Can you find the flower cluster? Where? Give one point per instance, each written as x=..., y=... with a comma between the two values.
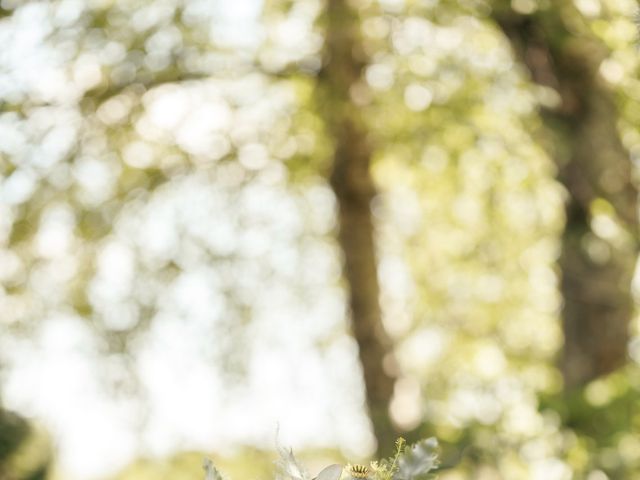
x=415, y=462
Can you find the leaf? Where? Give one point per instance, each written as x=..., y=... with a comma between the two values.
x=289, y=468
x=212, y=472
x=332, y=472
x=416, y=462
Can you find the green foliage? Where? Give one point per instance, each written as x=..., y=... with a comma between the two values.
x=414, y=462
x=468, y=216
x=417, y=461
x=387, y=468
x=25, y=449
x=13, y=431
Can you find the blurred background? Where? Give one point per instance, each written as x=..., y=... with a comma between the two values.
x=321, y=224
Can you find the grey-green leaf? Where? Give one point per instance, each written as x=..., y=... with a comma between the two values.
x=332, y=472
x=289, y=468
x=211, y=472
x=417, y=461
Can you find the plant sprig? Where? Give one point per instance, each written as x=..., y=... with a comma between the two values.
x=387, y=468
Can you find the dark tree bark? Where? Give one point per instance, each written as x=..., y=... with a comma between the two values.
x=555, y=46
x=354, y=189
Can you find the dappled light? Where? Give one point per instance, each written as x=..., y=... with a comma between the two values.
x=229, y=228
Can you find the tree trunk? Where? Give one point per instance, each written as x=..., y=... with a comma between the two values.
x=354, y=189
x=596, y=264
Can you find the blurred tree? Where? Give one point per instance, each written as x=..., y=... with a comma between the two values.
x=599, y=242
x=24, y=451
x=353, y=186
x=13, y=431
x=145, y=156
x=122, y=57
